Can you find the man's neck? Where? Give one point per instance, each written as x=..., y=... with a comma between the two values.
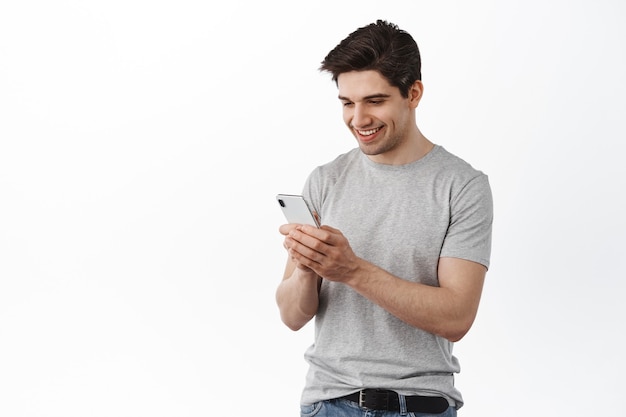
x=413, y=149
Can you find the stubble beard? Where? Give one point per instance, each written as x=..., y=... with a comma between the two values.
x=386, y=145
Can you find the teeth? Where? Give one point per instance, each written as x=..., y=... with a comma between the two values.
x=368, y=132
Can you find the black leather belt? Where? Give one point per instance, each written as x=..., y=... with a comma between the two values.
x=376, y=399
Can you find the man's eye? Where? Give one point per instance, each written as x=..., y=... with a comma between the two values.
x=347, y=104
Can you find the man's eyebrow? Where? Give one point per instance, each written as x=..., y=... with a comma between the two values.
x=370, y=97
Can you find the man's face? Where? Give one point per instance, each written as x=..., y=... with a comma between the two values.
x=376, y=113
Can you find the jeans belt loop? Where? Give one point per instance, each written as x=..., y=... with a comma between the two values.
x=402, y=403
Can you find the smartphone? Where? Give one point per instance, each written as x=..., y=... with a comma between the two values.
x=296, y=209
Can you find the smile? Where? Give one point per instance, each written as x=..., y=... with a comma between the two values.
x=368, y=132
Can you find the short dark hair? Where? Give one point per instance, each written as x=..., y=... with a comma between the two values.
x=382, y=47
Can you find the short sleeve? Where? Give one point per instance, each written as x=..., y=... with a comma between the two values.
x=471, y=219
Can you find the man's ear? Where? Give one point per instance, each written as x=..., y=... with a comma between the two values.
x=415, y=93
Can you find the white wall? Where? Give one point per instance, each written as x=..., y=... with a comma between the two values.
x=142, y=144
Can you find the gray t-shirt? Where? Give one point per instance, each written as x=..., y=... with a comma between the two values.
x=402, y=219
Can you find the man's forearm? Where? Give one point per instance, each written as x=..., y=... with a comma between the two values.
x=447, y=310
x=297, y=297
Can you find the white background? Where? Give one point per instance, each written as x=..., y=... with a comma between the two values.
x=143, y=142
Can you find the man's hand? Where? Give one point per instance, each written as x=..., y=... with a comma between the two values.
x=285, y=230
x=325, y=251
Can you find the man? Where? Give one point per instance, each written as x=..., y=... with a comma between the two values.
x=395, y=274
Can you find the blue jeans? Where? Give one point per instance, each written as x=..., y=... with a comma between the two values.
x=345, y=408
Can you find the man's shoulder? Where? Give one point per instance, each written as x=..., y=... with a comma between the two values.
x=340, y=162
x=351, y=155
x=453, y=164
x=325, y=176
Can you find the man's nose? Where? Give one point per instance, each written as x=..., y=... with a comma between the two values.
x=360, y=117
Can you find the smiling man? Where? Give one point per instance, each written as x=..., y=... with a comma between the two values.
x=394, y=275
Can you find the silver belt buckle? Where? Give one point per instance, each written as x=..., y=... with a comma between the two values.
x=374, y=399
